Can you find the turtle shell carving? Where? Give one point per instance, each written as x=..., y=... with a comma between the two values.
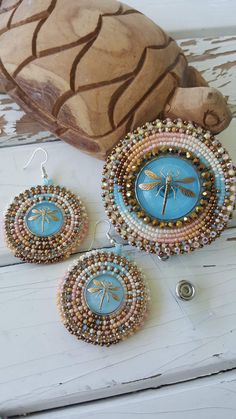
x=92, y=70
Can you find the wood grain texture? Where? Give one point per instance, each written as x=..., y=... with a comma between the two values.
x=89, y=89
x=214, y=57
x=42, y=366
x=208, y=398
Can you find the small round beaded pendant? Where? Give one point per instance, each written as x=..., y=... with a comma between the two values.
x=45, y=223
x=103, y=298
x=169, y=187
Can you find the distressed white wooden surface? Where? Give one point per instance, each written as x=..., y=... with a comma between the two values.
x=41, y=365
x=215, y=58
x=208, y=398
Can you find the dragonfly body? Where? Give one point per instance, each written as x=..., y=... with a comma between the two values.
x=167, y=182
x=104, y=289
x=167, y=189
x=45, y=215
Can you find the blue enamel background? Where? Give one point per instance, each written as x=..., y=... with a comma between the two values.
x=175, y=208
x=94, y=299
x=51, y=226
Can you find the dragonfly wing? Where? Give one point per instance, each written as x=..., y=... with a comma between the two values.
x=53, y=217
x=148, y=186
x=34, y=217
x=186, y=192
x=98, y=294
x=160, y=189
x=93, y=290
x=97, y=283
x=115, y=297
x=152, y=175
x=108, y=296
x=114, y=288
x=35, y=211
x=186, y=180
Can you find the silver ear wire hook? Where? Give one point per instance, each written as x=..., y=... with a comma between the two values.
x=108, y=234
x=43, y=170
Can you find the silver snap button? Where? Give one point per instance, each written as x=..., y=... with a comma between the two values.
x=185, y=290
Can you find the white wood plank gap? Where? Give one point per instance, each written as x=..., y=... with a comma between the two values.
x=208, y=398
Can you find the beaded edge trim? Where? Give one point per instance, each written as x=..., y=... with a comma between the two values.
x=124, y=162
x=34, y=249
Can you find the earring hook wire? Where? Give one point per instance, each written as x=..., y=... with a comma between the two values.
x=108, y=234
x=43, y=170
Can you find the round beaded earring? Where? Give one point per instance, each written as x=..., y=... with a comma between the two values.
x=169, y=187
x=45, y=223
x=103, y=298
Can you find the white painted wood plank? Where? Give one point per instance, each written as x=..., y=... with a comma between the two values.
x=208, y=398
x=70, y=168
x=199, y=18
x=42, y=366
x=17, y=128
x=215, y=58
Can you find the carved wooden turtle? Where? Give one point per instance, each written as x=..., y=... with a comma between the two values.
x=92, y=70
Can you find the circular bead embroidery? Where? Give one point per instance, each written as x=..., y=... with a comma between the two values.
x=45, y=224
x=169, y=187
x=103, y=298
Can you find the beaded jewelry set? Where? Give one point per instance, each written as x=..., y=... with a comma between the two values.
x=168, y=189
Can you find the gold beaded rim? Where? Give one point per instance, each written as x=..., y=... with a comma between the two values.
x=213, y=164
x=34, y=249
x=100, y=329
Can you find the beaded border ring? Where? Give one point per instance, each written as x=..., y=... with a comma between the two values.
x=103, y=299
x=216, y=173
x=45, y=224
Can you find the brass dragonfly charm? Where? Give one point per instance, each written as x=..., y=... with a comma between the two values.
x=45, y=214
x=104, y=289
x=167, y=182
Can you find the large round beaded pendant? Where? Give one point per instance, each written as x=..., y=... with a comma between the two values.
x=103, y=299
x=169, y=187
x=45, y=223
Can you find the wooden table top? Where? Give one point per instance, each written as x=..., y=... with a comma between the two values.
x=43, y=367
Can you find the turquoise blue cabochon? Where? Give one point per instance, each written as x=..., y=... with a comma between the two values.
x=104, y=294
x=178, y=204
x=44, y=219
